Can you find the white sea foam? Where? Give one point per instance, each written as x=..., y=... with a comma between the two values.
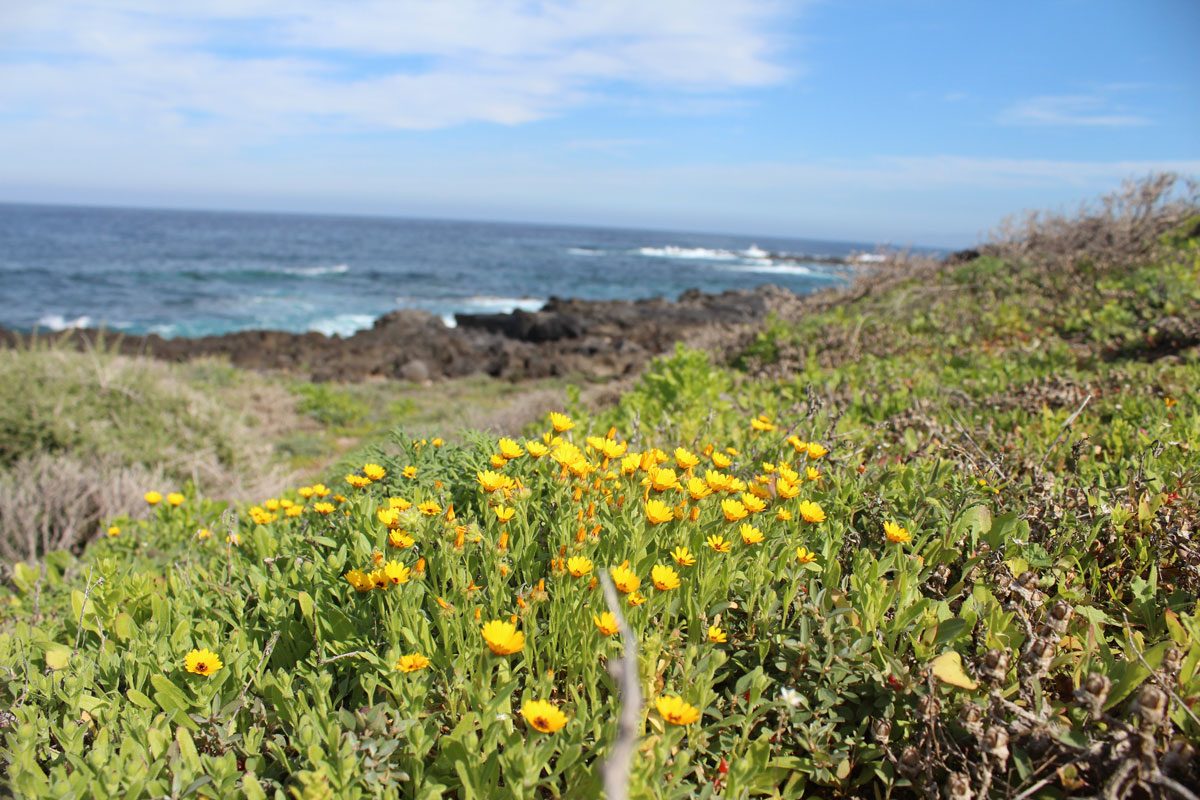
x=586, y=251
x=489, y=304
x=702, y=253
x=312, y=272
x=342, y=324
x=57, y=322
x=782, y=269
x=870, y=258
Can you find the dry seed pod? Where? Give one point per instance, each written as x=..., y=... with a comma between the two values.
x=958, y=787
x=1059, y=618
x=1172, y=661
x=971, y=717
x=910, y=765
x=994, y=666
x=1003, y=587
x=1093, y=694
x=1178, y=758
x=995, y=741
x=1026, y=587
x=1151, y=705
x=881, y=730
x=1040, y=654
x=929, y=706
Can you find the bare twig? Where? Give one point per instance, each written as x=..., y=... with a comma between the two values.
x=331, y=659
x=86, y=594
x=1063, y=430
x=266, y=654
x=1154, y=673
x=616, y=768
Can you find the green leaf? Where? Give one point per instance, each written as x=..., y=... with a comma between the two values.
x=57, y=655
x=306, y=605
x=123, y=625
x=139, y=699
x=168, y=695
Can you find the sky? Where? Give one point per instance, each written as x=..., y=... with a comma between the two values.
x=899, y=121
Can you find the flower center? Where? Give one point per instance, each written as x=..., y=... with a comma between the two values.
x=201, y=666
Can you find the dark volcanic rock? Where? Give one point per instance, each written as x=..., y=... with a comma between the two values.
x=595, y=338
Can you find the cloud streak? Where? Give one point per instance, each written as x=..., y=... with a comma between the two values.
x=374, y=64
x=1085, y=110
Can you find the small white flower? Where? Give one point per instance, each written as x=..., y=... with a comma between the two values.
x=791, y=697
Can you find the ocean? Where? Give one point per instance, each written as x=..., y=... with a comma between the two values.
x=196, y=273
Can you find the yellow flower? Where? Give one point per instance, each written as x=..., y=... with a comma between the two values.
x=815, y=450
x=715, y=634
x=658, y=512
x=811, y=512
x=294, y=510
x=113, y=530
x=625, y=579
x=510, y=449
x=812, y=473
x=399, y=503
x=409, y=472
x=698, y=489
x=153, y=498
x=683, y=557
x=684, y=459
x=389, y=517
x=380, y=579
x=396, y=572
x=543, y=716
x=719, y=544
x=664, y=578
x=305, y=492
x=663, y=479
x=750, y=534
x=896, y=534
x=272, y=504
x=412, y=663
x=203, y=662
x=798, y=444
x=675, y=711
x=578, y=566
x=357, y=481
x=505, y=513
x=752, y=503
x=429, y=508
x=492, y=481
x=783, y=515
x=805, y=556
x=374, y=471
x=607, y=623
x=762, y=423
x=498, y=460
x=786, y=489
x=323, y=508
x=175, y=498
x=502, y=637
x=284, y=503
x=320, y=490
x=561, y=422
x=720, y=460
x=613, y=449
x=636, y=599
x=717, y=481
x=361, y=581
x=536, y=449
x=733, y=510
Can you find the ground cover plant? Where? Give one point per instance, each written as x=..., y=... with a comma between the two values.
x=935, y=540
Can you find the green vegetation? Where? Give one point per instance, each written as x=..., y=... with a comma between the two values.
x=938, y=538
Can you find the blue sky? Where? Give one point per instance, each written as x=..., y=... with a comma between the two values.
x=906, y=122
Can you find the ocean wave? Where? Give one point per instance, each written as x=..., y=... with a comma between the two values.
x=784, y=269
x=312, y=272
x=342, y=324
x=701, y=253
x=586, y=251
x=57, y=322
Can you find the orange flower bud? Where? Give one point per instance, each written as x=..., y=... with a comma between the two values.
x=591, y=512
x=450, y=513
x=461, y=532
x=420, y=566
x=578, y=493
x=504, y=539
x=579, y=534
x=478, y=612
x=695, y=515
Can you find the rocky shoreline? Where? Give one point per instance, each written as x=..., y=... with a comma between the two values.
x=594, y=339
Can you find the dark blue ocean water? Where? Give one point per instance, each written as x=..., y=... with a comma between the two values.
x=192, y=273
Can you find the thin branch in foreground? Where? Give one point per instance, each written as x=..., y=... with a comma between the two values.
x=616, y=768
x=1063, y=430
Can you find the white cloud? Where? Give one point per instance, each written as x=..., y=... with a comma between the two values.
x=281, y=65
x=1087, y=110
